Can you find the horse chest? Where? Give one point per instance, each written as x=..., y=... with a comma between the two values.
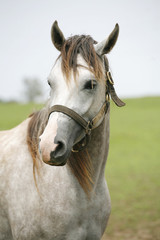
x=75, y=216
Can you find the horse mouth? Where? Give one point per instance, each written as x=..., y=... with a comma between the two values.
x=56, y=157
x=59, y=161
x=56, y=163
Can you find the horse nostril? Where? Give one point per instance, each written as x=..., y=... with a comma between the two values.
x=60, y=146
x=60, y=150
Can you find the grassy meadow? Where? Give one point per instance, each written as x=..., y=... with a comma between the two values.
x=133, y=170
x=133, y=166
x=11, y=114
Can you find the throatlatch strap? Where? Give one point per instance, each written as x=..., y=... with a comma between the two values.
x=112, y=91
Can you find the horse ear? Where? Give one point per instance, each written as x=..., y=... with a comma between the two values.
x=57, y=36
x=106, y=45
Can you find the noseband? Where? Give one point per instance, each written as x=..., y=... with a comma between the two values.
x=88, y=126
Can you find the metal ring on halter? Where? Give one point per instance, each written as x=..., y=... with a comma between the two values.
x=110, y=78
x=82, y=144
x=89, y=127
x=107, y=97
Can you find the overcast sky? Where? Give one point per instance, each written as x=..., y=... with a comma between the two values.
x=26, y=49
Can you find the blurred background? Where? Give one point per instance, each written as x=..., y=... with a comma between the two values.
x=26, y=51
x=26, y=58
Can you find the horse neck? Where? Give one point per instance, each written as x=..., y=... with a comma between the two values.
x=98, y=148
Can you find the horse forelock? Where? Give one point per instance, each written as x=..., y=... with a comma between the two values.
x=79, y=163
x=83, y=45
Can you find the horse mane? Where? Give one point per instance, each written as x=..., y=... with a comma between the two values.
x=36, y=127
x=79, y=163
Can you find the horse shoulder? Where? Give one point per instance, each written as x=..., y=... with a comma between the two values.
x=12, y=140
x=13, y=151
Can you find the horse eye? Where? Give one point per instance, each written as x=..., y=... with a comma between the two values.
x=91, y=84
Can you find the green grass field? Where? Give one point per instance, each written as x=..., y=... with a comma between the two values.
x=11, y=114
x=133, y=166
x=133, y=170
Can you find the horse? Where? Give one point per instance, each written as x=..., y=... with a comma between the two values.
x=52, y=165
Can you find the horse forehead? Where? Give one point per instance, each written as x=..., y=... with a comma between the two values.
x=57, y=74
x=81, y=61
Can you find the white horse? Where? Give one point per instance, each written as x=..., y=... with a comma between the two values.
x=52, y=180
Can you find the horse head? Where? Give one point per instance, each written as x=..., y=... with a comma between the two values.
x=78, y=85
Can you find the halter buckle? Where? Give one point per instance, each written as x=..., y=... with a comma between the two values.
x=89, y=128
x=107, y=97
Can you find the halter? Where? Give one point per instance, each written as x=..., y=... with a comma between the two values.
x=88, y=126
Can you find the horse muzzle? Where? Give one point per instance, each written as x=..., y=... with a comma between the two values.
x=59, y=156
x=58, y=139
